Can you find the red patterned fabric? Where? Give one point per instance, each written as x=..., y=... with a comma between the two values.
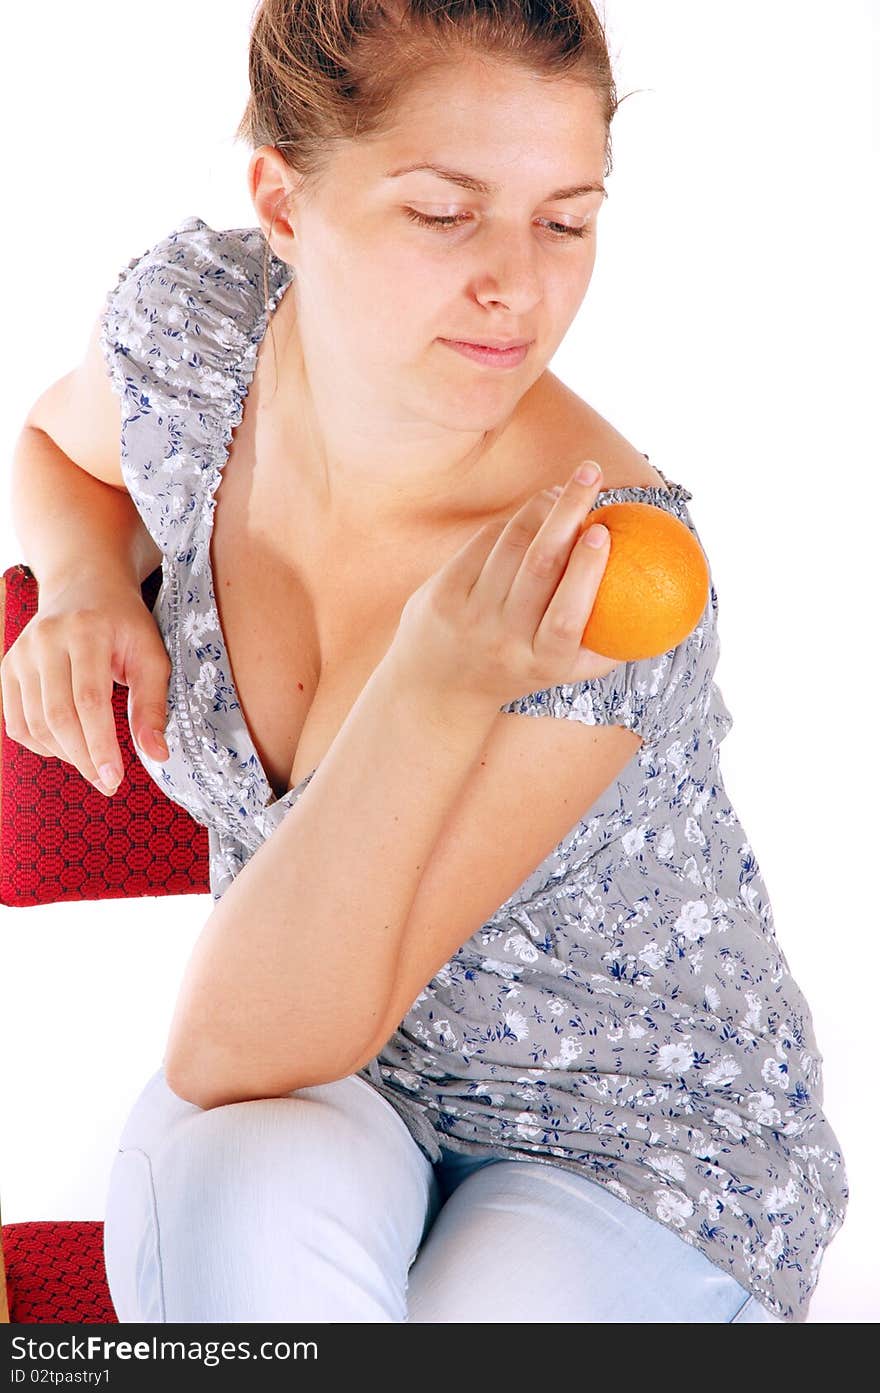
x=55, y=1273
x=60, y=839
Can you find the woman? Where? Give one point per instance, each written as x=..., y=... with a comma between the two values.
x=478, y=995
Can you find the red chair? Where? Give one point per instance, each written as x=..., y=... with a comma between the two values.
x=60, y=839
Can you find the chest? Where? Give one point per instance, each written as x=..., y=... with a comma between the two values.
x=306, y=620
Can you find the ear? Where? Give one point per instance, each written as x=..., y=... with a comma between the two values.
x=270, y=181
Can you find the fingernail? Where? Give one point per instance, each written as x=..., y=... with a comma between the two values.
x=110, y=777
x=163, y=743
x=557, y=489
x=587, y=473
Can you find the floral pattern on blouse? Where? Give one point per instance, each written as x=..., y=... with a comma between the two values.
x=629, y=1011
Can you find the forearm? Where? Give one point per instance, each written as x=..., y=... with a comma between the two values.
x=295, y=967
x=68, y=522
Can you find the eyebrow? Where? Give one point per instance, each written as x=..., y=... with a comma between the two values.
x=467, y=181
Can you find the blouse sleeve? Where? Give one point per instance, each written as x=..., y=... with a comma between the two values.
x=173, y=334
x=660, y=698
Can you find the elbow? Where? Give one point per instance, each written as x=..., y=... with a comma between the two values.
x=206, y=1084
x=205, y=1092
x=206, y=1087
x=192, y=1088
x=201, y=1079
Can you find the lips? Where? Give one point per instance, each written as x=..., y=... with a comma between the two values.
x=500, y=344
x=489, y=357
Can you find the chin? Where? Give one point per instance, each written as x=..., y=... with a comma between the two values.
x=474, y=419
x=488, y=399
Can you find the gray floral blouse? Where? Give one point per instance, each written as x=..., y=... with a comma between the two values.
x=628, y=1011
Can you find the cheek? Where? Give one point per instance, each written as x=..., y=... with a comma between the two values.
x=406, y=302
x=586, y=268
x=565, y=292
x=421, y=280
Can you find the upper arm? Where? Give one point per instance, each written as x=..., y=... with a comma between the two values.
x=81, y=413
x=534, y=781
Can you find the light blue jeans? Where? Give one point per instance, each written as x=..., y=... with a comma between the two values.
x=320, y=1206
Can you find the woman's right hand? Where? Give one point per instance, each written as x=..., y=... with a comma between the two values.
x=505, y=616
x=57, y=678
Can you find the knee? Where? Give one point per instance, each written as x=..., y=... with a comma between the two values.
x=176, y=1134
x=249, y=1146
x=311, y=1199
x=321, y=1136
x=154, y=1115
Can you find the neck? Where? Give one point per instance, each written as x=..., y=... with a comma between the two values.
x=360, y=467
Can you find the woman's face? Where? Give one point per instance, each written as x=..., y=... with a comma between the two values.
x=377, y=293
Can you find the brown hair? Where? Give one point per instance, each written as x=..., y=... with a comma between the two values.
x=324, y=71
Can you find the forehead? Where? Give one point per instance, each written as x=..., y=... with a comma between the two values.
x=503, y=127
x=507, y=99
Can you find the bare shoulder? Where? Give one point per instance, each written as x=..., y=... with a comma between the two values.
x=575, y=430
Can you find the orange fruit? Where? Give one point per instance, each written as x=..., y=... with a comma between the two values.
x=654, y=587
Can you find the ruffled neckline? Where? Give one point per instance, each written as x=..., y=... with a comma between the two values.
x=240, y=375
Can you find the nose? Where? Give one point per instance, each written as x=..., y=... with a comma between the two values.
x=510, y=274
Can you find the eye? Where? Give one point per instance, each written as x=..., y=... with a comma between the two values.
x=446, y=223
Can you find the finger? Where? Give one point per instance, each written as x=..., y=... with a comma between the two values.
x=545, y=560
x=61, y=704
x=461, y=572
x=95, y=746
x=568, y=613
x=511, y=546
x=147, y=681
x=14, y=717
x=41, y=736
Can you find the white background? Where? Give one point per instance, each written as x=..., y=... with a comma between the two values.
x=728, y=331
